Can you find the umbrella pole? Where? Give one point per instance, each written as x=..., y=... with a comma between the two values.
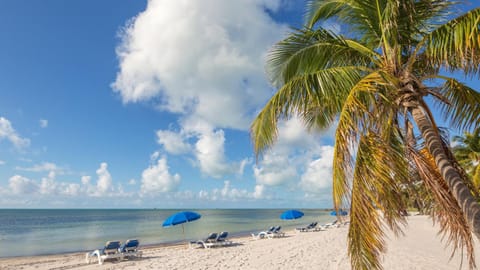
x=183, y=232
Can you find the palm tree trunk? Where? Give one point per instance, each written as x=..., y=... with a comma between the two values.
x=467, y=202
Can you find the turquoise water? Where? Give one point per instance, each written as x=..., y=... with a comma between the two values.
x=38, y=232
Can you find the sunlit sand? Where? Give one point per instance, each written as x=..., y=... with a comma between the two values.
x=421, y=248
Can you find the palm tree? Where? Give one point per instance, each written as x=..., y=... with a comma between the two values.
x=467, y=152
x=378, y=81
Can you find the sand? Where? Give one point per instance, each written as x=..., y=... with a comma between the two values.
x=420, y=248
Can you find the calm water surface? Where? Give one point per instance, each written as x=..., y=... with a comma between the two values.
x=38, y=232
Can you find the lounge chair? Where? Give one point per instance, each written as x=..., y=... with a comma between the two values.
x=273, y=232
x=276, y=232
x=308, y=228
x=220, y=241
x=210, y=238
x=333, y=224
x=130, y=249
x=263, y=234
x=110, y=251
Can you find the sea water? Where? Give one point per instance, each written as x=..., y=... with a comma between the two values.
x=25, y=232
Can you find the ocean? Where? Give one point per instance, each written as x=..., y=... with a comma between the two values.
x=26, y=232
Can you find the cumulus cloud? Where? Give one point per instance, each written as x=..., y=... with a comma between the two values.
x=48, y=192
x=210, y=153
x=104, y=181
x=85, y=180
x=50, y=187
x=157, y=179
x=299, y=160
x=172, y=142
x=318, y=175
x=275, y=170
x=259, y=191
x=229, y=193
x=22, y=185
x=213, y=80
x=204, y=59
x=207, y=147
x=8, y=132
x=43, y=123
x=282, y=163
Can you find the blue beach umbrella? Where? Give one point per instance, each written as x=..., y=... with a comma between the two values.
x=340, y=213
x=291, y=214
x=181, y=218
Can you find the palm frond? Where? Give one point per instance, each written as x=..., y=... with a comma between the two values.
x=322, y=10
x=317, y=97
x=373, y=174
x=476, y=176
x=357, y=109
x=306, y=51
x=456, y=44
x=463, y=108
x=447, y=212
x=360, y=15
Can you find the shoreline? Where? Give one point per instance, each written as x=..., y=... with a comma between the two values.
x=143, y=246
x=420, y=248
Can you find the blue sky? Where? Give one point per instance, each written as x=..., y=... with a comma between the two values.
x=137, y=104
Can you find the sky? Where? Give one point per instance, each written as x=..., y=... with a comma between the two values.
x=147, y=104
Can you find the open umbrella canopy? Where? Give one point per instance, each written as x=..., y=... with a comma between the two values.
x=181, y=217
x=340, y=213
x=291, y=214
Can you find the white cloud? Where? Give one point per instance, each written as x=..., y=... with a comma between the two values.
x=86, y=180
x=318, y=175
x=229, y=193
x=22, y=185
x=42, y=167
x=157, y=179
x=203, y=59
x=48, y=185
x=208, y=148
x=2, y=162
x=295, y=158
x=43, y=123
x=104, y=181
x=9, y=133
x=210, y=153
x=275, y=170
x=213, y=80
x=172, y=142
x=259, y=191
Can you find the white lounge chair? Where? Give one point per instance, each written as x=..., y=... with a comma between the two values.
x=203, y=242
x=263, y=234
x=110, y=251
x=276, y=233
x=273, y=232
x=333, y=224
x=220, y=241
x=130, y=249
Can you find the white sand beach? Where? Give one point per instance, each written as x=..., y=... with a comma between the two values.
x=420, y=248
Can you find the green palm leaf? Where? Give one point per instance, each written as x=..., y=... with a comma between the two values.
x=456, y=44
x=373, y=81
x=463, y=107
